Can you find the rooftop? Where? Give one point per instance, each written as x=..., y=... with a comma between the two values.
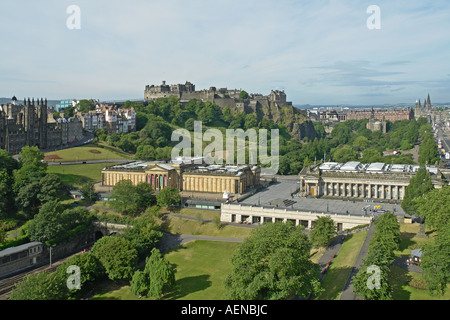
x=376, y=167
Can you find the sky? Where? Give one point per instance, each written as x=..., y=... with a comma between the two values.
x=319, y=52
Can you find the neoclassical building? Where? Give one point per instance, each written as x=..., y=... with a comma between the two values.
x=355, y=180
x=185, y=175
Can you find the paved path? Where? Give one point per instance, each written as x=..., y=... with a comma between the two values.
x=331, y=252
x=347, y=292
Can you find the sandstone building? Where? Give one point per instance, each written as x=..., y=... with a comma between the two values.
x=355, y=180
x=380, y=114
x=185, y=175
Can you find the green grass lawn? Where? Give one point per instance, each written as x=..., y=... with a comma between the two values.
x=337, y=274
x=399, y=279
x=185, y=226
x=195, y=279
x=79, y=174
x=89, y=152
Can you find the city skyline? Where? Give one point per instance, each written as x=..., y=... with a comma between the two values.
x=318, y=52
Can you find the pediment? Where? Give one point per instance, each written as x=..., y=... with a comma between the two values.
x=158, y=168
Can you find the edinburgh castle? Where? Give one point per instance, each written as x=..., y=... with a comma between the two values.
x=273, y=106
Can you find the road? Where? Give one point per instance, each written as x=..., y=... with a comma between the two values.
x=68, y=163
x=444, y=135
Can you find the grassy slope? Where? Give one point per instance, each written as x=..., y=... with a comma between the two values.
x=78, y=174
x=89, y=152
x=195, y=279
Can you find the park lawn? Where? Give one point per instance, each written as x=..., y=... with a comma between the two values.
x=76, y=175
x=194, y=212
x=399, y=279
x=89, y=152
x=186, y=226
x=337, y=274
x=409, y=240
x=194, y=279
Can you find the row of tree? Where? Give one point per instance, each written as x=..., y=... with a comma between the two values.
x=371, y=282
x=273, y=264
x=116, y=258
x=132, y=200
x=433, y=207
x=25, y=185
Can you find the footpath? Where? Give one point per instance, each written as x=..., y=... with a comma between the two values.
x=347, y=292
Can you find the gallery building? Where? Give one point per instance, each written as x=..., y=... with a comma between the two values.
x=185, y=175
x=355, y=180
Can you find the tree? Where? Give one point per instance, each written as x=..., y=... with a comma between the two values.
x=6, y=194
x=124, y=195
x=85, y=106
x=145, y=198
x=161, y=274
x=53, y=223
x=139, y=284
x=88, y=191
x=90, y=270
x=40, y=286
x=243, y=95
x=46, y=224
x=145, y=152
x=366, y=283
x=371, y=282
x=7, y=162
x=250, y=121
x=169, y=196
x=419, y=185
x=32, y=155
x=50, y=188
x=344, y=154
x=324, y=230
x=435, y=262
x=434, y=207
x=189, y=124
x=144, y=234
x=360, y=143
x=428, y=151
x=272, y=263
x=117, y=255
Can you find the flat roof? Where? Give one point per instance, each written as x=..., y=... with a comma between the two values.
x=20, y=248
x=372, y=167
x=351, y=166
x=376, y=166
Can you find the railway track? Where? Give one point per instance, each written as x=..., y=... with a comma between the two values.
x=7, y=285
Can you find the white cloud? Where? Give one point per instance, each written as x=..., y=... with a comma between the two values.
x=255, y=45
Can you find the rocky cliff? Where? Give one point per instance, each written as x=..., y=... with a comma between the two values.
x=295, y=120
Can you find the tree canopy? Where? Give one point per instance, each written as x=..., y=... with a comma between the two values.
x=273, y=263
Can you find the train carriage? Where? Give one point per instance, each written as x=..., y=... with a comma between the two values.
x=20, y=257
